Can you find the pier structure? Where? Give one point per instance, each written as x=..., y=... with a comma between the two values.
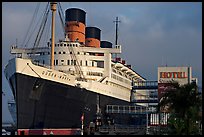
x=145, y=100
x=147, y=93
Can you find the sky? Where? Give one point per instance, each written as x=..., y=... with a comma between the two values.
x=151, y=34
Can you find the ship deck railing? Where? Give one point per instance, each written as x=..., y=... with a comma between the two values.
x=128, y=109
x=122, y=129
x=145, y=85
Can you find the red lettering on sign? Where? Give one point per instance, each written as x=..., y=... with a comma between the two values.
x=169, y=74
x=173, y=75
x=179, y=75
x=161, y=75
x=165, y=74
x=184, y=76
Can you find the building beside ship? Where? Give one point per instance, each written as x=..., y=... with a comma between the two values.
x=182, y=75
x=166, y=75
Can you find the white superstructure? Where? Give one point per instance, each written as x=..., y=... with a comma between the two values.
x=72, y=61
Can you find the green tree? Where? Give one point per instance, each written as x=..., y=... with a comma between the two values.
x=183, y=102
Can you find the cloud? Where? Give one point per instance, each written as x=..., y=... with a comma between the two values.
x=126, y=20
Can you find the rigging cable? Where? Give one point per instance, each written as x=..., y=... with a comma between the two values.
x=60, y=11
x=42, y=29
x=42, y=25
x=47, y=31
x=35, y=28
x=31, y=23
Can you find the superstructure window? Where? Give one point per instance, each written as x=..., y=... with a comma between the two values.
x=74, y=62
x=81, y=62
x=86, y=63
x=62, y=62
x=114, y=70
x=64, y=45
x=59, y=52
x=56, y=62
x=120, y=73
x=100, y=64
x=95, y=74
x=54, y=52
x=37, y=62
x=68, y=62
x=64, y=52
x=92, y=63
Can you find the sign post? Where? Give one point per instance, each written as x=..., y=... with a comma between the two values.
x=82, y=124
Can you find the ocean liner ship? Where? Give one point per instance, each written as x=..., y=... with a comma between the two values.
x=58, y=83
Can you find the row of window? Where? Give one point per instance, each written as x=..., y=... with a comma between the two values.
x=95, y=74
x=69, y=62
x=120, y=79
x=116, y=85
x=65, y=45
x=78, y=53
x=73, y=62
x=61, y=52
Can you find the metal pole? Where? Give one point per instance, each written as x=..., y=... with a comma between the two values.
x=53, y=8
x=116, y=33
x=82, y=127
x=82, y=124
x=147, y=112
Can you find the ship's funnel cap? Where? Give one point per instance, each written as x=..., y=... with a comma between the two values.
x=93, y=32
x=106, y=44
x=75, y=14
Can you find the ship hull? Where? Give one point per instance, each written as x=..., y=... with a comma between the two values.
x=43, y=103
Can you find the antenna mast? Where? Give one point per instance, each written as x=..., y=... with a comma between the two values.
x=53, y=8
x=116, y=26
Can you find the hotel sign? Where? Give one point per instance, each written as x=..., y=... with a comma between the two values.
x=182, y=75
x=166, y=75
x=179, y=75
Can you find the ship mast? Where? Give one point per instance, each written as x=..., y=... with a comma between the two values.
x=116, y=28
x=116, y=33
x=53, y=8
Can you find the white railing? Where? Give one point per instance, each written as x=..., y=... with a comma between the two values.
x=128, y=109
